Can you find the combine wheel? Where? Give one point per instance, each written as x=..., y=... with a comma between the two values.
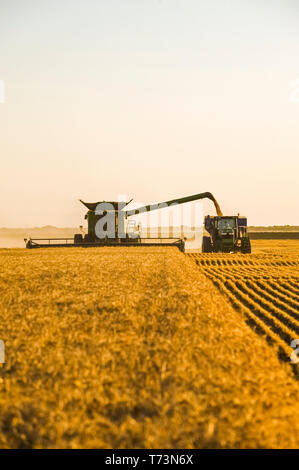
x=78, y=238
x=87, y=238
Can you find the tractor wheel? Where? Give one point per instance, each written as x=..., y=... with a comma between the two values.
x=245, y=245
x=206, y=245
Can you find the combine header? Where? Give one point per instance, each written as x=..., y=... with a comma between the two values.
x=108, y=226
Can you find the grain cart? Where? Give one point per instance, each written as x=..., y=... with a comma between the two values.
x=226, y=234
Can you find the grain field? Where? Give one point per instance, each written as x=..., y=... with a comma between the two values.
x=139, y=348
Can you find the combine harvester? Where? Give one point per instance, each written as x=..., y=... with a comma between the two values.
x=107, y=227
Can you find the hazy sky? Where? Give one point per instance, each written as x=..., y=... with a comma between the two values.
x=150, y=98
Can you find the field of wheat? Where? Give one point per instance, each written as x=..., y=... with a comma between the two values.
x=148, y=347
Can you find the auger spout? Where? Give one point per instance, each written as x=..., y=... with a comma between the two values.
x=181, y=200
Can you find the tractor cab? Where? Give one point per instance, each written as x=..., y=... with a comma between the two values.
x=224, y=233
x=226, y=226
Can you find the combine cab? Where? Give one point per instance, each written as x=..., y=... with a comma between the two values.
x=226, y=234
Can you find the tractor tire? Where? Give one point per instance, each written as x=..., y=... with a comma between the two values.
x=78, y=238
x=206, y=245
x=245, y=245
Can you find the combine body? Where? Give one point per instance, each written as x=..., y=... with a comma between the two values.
x=107, y=225
x=226, y=234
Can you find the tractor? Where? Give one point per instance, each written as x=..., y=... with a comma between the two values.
x=226, y=234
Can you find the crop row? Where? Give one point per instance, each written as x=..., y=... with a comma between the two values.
x=264, y=288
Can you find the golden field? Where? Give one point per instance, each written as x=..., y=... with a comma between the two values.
x=148, y=347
